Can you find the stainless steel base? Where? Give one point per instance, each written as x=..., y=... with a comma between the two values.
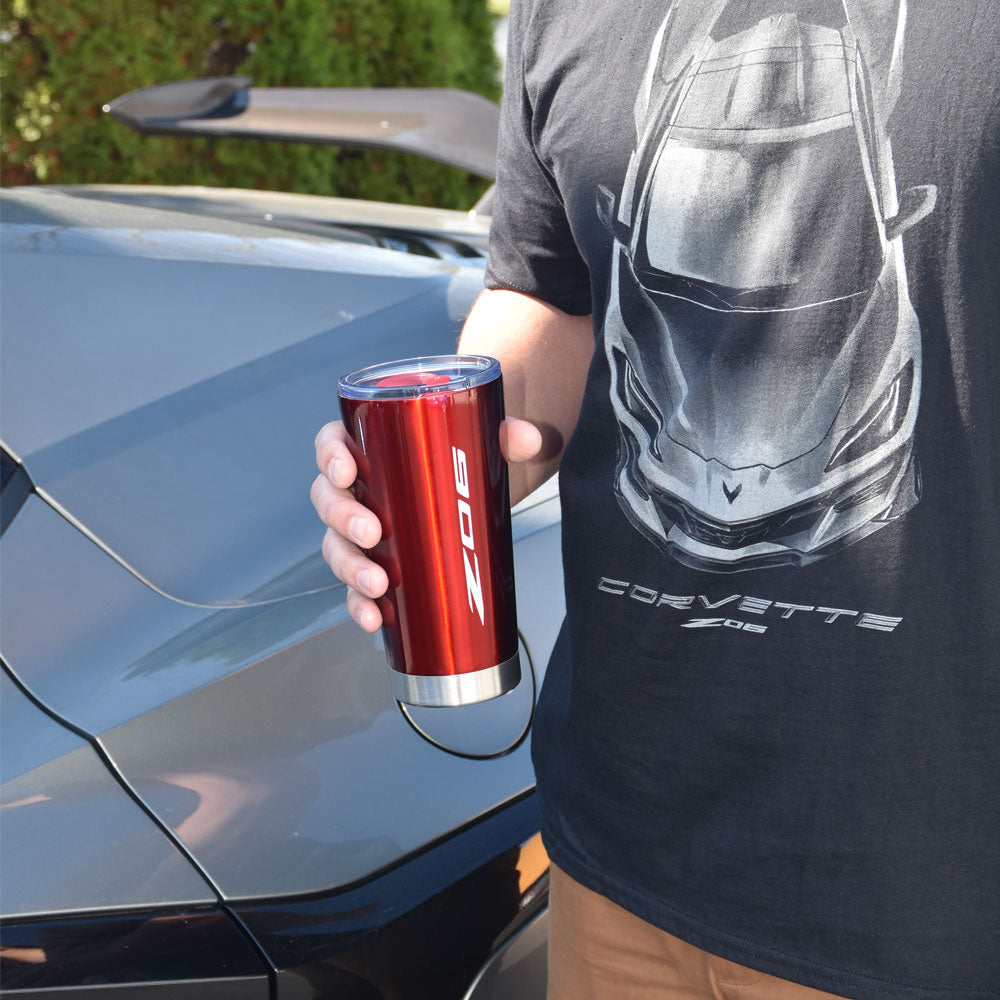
x=457, y=689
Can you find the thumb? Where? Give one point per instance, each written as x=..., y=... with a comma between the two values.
x=519, y=439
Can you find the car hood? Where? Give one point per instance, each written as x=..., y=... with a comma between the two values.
x=165, y=371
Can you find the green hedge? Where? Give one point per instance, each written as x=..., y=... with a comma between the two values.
x=62, y=60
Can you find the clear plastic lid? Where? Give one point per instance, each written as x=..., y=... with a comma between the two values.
x=419, y=376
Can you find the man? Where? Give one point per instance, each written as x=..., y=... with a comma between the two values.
x=742, y=283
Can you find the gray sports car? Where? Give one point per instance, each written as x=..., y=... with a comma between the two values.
x=208, y=789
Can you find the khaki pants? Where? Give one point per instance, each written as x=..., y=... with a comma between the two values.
x=598, y=951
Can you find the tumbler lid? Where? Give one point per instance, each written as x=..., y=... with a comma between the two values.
x=419, y=376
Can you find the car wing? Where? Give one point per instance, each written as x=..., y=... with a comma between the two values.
x=454, y=127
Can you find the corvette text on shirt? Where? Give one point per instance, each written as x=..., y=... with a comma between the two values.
x=743, y=604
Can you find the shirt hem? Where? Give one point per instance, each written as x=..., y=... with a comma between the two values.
x=754, y=955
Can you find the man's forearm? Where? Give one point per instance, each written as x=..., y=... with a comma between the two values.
x=545, y=354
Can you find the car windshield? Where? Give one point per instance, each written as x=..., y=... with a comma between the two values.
x=759, y=225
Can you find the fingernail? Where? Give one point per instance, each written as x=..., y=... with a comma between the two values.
x=365, y=580
x=358, y=528
x=335, y=468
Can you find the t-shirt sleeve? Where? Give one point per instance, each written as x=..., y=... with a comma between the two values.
x=532, y=249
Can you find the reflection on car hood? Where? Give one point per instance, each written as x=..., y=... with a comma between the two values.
x=164, y=369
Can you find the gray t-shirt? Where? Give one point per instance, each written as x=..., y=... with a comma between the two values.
x=770, y=725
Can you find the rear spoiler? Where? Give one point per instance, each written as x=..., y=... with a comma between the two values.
x=454, y=127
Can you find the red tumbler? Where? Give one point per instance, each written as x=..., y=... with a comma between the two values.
x=426, y=441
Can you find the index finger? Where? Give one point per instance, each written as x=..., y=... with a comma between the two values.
x=333, y=456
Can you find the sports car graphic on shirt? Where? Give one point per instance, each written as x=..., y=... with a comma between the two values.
x=763, y=349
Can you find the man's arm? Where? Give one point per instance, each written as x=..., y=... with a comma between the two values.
x=544, y=354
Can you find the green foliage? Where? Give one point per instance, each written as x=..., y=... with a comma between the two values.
x=64, y=59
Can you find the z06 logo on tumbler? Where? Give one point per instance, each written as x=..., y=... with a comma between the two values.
x=473, y=584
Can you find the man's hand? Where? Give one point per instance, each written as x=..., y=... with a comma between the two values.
x=544, y=354
x=351, y=527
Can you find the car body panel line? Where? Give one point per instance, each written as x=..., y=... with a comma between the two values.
x=119, y=777
x=108, y=551
x=182, y=954
x=258, y=948
x=329, y=938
